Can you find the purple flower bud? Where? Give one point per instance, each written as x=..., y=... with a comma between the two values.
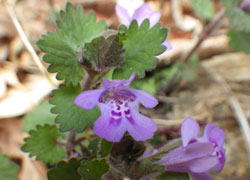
x=245, y=5
x=140, y=14
x=119, y=110
x=197, y=155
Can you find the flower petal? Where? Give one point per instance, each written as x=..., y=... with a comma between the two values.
x=141, y=128
x=88, y=99
x=183, y=154
x=147, y=100
x=123, y=14
x=108, y=84
x=154, y=18
x=167, y=45
x=219, y=167
x=203, y=164
x=145, y=12
x=202, y=176
x=222, y=159
x=106, y=128
x=214, y=134
x=189, y=130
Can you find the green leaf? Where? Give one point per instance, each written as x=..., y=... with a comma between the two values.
x=65, y=171
x=61, y=47
x=239, y=40
x=41, y=115
x=104, y=53
x=8, y=169
x=93, y=169
x=70, y=116
x=42, y=143
x=146, y=84
x=173, y=176
x=141, y=45
x=106, y=147
x=239, y=19
x=203, y=8
x=94, y=146
x=148, y=165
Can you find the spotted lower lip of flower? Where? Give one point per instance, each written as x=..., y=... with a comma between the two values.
x=197, y=155
x=119, y=110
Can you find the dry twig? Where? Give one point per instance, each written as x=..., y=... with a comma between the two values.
x=206, y=33
x=177, y=100
x=178, y=122
x=27, y=43
x=234, y=104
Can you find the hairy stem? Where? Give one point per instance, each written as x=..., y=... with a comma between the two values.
x=70, y=143
x=164, y=149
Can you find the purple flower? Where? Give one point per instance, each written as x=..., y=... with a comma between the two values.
x=197, y=155
x=119, y=110
x=140, y=14
x=245, y=5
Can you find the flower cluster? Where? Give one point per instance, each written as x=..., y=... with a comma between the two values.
x=197, y=155
x=119, y=108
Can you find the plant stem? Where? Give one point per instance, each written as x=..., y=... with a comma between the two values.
x=85, y=151
x=164, y=149
x=70, y=143
x=206, y=33
x=78, y=141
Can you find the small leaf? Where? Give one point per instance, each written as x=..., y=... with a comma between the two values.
x=61, y=47
x=173, y=176
x=93, y=169
x=106, y=147
x=203, y=8
x=141, y=45
x=41, y=115
x=104, y=53
x=100, y=147
x=70, y=116
x=240, y=40
x=8, y=169
x=42, y=143
x=239, y=19
x=65, y=171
